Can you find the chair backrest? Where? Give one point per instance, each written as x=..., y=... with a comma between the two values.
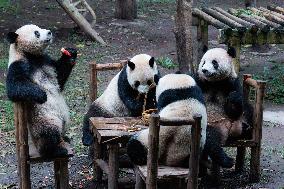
x=259, y=87
x=94, y=68
x=153, y=152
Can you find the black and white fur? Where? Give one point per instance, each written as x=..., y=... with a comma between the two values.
x=124, y=95
x=33, y=77
x=177, y=96
x=222, y=90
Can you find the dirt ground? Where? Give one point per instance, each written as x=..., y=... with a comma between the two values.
x=151, y=33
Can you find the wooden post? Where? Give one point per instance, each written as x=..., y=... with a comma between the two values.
x=153, y=152
x=126, y=9
x=93, y=81
x=194, y=153
x=113, y=166
x=235, y=42
x=183, y=35
x=97, y=171
x=257, y=133
x=202, y=40
x=139, y=183
x=250, y=3
x=22, y=145
x=57, y=174
x=64, y=174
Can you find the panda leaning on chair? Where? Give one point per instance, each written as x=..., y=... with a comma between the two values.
x=35, y=78
x=177, y=96
x=228, y=117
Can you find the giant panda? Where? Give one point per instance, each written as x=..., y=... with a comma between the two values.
x=177, y=95
x=33, y=77
x=124, y=96
x=222, y=90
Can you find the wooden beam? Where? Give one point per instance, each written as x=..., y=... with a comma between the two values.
x=272, y=11
x=269, y=15
x=113, y=166
x=225, y=19
x=211, y=20
x=276, y=9
x=264, y=20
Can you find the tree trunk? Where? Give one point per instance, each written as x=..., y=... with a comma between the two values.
x=183, y=35
x=126, y=9
x=250, y=3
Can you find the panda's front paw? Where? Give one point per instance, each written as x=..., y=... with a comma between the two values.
x=41, y=97
x=233, y=106
x=70, y=53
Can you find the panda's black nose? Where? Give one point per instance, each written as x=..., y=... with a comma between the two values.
x=204, y=71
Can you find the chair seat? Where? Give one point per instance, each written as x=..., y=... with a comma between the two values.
x=36, y=158
x=165, y=172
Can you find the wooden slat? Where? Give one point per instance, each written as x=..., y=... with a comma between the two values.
x=113, y=166
x=165, y=172
x=264, y=27
x=269, y=15
x=211, y=20
x=225, y=19
x=276, y=9
x=111, y=66
x=233, y=17
x=272, y=12
x=264, y=20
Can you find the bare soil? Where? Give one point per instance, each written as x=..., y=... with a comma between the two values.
x=151, y=33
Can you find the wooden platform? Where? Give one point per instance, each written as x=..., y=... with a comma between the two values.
x=119, y=129
x=165, y=172
x=36, y=158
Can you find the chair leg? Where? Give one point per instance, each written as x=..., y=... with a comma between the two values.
x=57, y=174
x=64, y=176
x=113, y=166
x=255, y=164
x=240, y=159
x=97, y=171
x=215, y=172
x=139, y=184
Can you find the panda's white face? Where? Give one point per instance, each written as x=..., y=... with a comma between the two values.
x=32, y=39
x=141, y=70
x=216, y=64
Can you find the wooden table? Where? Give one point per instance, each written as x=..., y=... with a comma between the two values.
x=112, y=132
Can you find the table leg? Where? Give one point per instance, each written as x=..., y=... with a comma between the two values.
x=98, y=174
x=113, y=166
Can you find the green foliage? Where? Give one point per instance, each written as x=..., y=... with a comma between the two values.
x=166, y=62
x=275, y=82
x=7, y=6
x=246, y=12
x=3, y=63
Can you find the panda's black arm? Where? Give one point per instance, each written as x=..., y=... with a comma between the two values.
x=64, y=66
x=20, y=86
x=234, y=103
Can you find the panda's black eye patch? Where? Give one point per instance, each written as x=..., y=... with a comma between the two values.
x=215, y=64
x=203, y=63
x=136, y=84
x=149, y=82
x=37, y=34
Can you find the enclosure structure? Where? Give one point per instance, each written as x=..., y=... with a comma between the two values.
x=27, y=154
x=263, y=26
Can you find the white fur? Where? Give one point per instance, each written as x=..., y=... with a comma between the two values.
x=226, y=67
x=29, y=42
x=174, y=81
x=142, y=72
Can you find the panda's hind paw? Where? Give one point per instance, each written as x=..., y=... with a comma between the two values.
x=228, y=163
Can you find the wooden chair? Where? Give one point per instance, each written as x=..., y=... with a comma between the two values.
x=98, y=147
x=152, y=173
x=28, y=155
x=255, y=142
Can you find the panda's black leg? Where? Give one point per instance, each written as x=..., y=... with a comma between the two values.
x=213, y=147
x=234, y=105
x=87, y=138
x=137, y=152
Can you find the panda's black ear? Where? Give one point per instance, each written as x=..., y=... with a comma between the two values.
x=205, y=49
x=131, y=65
x=232, y=52
x=12, y=37
x=151, y=62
